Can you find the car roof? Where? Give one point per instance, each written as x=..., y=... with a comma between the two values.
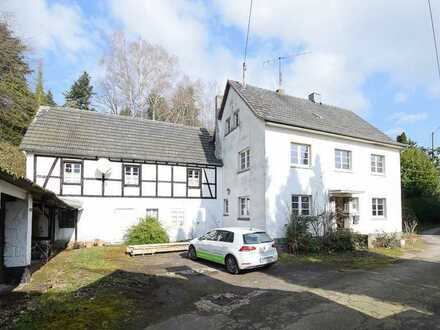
x=243, y=230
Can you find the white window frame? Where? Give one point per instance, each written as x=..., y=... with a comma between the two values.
x=72, y=176
x=300, y=207
x=297, y=150
x=374, y=161
x=228, y=127
x=244, y=160
x=244, y=207
x=130, y=178
x=225, y=206
x=153, y=213
x=343, y=161
x=194, y=181
x=236, y=119
x=375, y=207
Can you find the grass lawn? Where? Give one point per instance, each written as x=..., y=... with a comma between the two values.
x=376, y=257
x=78, y=289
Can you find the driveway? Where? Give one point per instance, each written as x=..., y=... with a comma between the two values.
x=200, y=295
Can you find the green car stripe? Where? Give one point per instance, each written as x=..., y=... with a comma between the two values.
x=211, y=257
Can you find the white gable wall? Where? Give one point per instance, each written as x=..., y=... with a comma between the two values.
x=249, y=134
x=282, y=180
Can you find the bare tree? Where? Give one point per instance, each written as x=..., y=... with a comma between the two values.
x=136, y=76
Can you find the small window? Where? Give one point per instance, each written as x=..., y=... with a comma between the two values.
x=225, y=206
x=67, y=219
x=131, y=175
x=193, y=178
x=211, y=236
x=236, y=119
x=377, y=164
x=343, y=159
x=72, y=172
x=153, y=213
x=299, y=154
x=379, y=207
x=225, y=236
x=228, y=125
x=301, y=204
x=244, y=160
x=243, y=206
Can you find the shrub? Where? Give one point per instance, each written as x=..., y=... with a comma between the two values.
x=301, y=240
x=147, y=231
x=387, y=241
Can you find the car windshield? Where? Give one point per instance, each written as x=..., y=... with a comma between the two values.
x=256, y=238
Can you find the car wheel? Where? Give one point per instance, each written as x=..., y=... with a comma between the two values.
x=231, y=265
x=192, y=253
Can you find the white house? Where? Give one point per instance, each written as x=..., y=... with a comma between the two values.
x=283, y=154
x=271, y=155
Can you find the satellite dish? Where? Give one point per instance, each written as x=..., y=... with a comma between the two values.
x=104, y=166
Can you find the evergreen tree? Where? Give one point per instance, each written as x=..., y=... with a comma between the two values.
x=80, y=94
x=49, y=99
x=402, y=138
x=40, y=96
x=17, y=101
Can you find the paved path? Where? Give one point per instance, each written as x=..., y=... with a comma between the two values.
x=405, y=295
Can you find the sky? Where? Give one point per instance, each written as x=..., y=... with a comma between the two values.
x=373, y=57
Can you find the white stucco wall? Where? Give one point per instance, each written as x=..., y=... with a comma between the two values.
x=249, y=134
x=282, y=180
x=109, y=218
x=18, y=231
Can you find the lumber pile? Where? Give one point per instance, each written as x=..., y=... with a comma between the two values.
x=135, y=250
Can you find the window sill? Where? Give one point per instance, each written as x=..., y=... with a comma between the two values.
x=377, y=174
x=243, y=219
x=340, y=170
x=378, y=218
x=245, y=170
x=306, y=167
x=131, y=185
x=72, y=183
x=226, y=215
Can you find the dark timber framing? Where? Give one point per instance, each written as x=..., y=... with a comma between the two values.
x=203, y=177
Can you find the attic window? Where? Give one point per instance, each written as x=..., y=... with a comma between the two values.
x=317, y=115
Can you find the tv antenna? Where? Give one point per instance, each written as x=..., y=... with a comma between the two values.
x=280, y=59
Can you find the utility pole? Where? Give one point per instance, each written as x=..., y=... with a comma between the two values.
x=433, y=141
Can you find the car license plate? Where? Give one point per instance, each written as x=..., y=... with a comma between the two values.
x=265, y=260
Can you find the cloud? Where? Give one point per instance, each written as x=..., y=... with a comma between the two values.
x=46, y=26
x=356, y=40
x=408, y=118
x=400, y=97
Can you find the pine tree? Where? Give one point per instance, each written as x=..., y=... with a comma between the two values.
x=40, y=96
x=80, y=94
x=49, y=99
x=17, y=101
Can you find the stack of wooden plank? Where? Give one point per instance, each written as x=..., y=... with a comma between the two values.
x=134, y=250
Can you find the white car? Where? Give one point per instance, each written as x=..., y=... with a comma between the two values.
x=236, y=248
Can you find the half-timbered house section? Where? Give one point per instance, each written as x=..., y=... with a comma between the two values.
x=118, y=169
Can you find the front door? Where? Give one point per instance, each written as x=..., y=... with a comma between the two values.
x=2, y=236
x=342, y=209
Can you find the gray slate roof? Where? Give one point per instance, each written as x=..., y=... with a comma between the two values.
x=67, y=131
x=294, y=111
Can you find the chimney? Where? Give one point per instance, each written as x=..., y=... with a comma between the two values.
x=315, y=97
x=280, y=91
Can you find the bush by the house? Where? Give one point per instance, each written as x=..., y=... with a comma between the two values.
x=308, y=234
x=388, y=241
x=147, y=231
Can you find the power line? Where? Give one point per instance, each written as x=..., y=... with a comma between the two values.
x=434, y=37
x=246, y=44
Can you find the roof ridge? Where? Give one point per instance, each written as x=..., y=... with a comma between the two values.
x=119, y=117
